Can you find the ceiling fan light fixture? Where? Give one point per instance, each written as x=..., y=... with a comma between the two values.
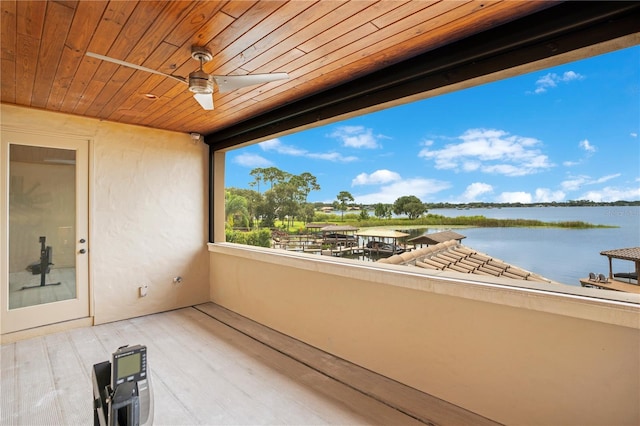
x=200, y=82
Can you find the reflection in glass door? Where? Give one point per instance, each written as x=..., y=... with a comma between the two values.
x=41, y=225
x=44, y=216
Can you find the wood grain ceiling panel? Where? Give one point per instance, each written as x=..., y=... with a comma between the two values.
x=80, y=33
x=8, y=47
x=320, y=43
x=305, y=23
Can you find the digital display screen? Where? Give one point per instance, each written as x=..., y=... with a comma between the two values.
x=128, y=365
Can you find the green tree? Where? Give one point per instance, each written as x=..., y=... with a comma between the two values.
x=382, y=211
x=235, y=209
x=273, y=175
x=284, y=195
x=306, y=182
x=267, y=210
x=409, y=205
x=285, y=198
x=258, y=176
x=344, y=197
x=254, y=200
x=308, y=213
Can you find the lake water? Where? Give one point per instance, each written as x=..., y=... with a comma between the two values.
x=563, y=255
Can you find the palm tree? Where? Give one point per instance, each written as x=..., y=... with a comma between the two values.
x=235, y=206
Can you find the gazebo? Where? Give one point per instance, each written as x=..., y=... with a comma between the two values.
x=387, y=244
x=339, y=235
x=620, y=281
x=632, y=254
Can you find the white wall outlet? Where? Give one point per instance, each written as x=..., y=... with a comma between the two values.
x=143, y=290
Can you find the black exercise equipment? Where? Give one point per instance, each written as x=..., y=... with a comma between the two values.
x=42, y=268
x=122, y=393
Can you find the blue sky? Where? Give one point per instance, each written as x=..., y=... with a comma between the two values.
x=565, y=133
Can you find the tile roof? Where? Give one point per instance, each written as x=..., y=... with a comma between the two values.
x=436, y=237
x=319, y=225
x=453, y=256
x=336, y=228
x=382, y=233
x=632, y=253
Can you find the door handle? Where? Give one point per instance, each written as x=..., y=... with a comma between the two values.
x=82, y=251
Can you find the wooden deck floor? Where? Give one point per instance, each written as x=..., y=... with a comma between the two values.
x=209, y=366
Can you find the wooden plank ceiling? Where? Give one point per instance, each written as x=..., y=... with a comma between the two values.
x=320, y=44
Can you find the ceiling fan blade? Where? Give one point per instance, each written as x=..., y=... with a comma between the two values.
x=227, y=83
x=205, y=100
x=138, y=67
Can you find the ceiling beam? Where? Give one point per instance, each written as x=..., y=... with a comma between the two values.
x=555, y=31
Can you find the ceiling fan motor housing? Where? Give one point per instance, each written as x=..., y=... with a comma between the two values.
x=200, y=82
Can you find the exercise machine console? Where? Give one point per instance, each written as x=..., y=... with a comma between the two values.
x=122, y=394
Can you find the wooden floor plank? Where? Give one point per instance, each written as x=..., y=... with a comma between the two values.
x=8, y=384
x=37, y=398
x=68, y=373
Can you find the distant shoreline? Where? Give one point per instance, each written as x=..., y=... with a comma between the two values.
x=480, y=205
x=431, y=220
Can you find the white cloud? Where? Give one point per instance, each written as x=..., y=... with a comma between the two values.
x=573, y=184
x=504, y=169
x=587, y=146
x=376, y=178
x=490, y=151
x=577, y=182
x=389, y=193
x=515, y=197
x=271, y=144
x=356, y=137
x=609, y=194
x=251, y=160
x=551, y=80
x=544, y=195
x=277, y=146
x=471, y=166
x=476, y=189
x=633, y=134
x=607, y=178
x=331, y=156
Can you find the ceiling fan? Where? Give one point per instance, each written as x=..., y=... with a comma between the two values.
x=201, y=83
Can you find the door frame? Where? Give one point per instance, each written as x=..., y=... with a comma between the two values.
x=56, y=313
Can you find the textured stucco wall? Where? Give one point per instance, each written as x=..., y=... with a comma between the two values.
x=517, y=356
x=147, y=213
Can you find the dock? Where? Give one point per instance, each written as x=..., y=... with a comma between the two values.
x=611, y=284
x=631, y=254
